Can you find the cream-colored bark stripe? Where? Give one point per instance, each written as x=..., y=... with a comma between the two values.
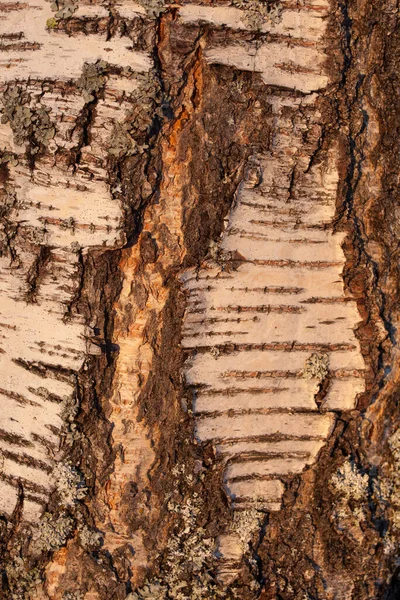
x=255, y=393
x=300, y=23
x=66, y=211
x=54, y=54
x=272, y=294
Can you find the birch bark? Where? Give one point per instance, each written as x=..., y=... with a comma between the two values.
x=198, y=299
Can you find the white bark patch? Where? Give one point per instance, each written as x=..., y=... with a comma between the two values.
x=55, y=54
x=67, y=211
x=279, y=64
x=129, y=10
x=295, y=62
x=272, y=295
x=296, y=23
x=276, y=299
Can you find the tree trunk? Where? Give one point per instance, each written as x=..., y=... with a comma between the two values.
x=198, y=317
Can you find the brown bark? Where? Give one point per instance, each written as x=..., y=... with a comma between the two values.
x=199, y=281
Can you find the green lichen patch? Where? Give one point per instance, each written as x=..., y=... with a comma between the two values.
x=29, y=120
x=93, y=79
x=51, y=23
x=257, y=12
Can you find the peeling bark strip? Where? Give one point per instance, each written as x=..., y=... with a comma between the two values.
x=198, y=284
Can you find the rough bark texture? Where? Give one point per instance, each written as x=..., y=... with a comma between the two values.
x=198, y=299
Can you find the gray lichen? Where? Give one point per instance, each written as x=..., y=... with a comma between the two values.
x=253, y=173
x=218, y=258
x=9, y=158
x=257, y=12
x=89, y=538
x=21, y=579
x=154, y=8
x=122, y=143
x=75, y=247
x=387, y=494
x=148, y=85
x=147, y=96
x=190, y=555
x=29, y=120
x=93, y=79
x=151, y=590
x=129, y=137
x=351, y=487
x=9, y=202
x=68, y=224
x=316, y=367
x=394, y=443
x=9, y=206
x=69, y=409
x=69, y=484
x=63, y=9
x=245, y=524
x=51, y=532
x=350, y=483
